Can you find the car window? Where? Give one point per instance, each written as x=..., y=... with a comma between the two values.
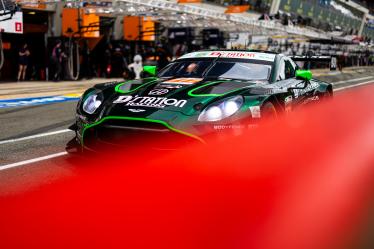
x=240, y=71
x=289, y=70
x=225, y=69
x=286, y=70
x=189, y=69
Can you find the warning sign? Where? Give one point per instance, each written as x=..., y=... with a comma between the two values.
x=18, y=26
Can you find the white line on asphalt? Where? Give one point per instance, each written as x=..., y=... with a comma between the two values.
x=352, y=80
x=352, y=86
x=34, y=136
x=34, y=160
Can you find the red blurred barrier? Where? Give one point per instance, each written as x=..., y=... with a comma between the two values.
x=302, y=182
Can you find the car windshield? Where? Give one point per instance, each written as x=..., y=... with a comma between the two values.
x=240, y=71
x=222, y=69
x=189, y=69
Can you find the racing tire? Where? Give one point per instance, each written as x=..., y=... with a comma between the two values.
x=326, y=96
x=268, y=112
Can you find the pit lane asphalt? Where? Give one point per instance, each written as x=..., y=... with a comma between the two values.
x=26, y=121
x=23, y=122
x=19, y=151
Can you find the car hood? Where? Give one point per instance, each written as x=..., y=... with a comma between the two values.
x=153, y=96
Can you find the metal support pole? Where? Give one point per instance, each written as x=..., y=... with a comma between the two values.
x=118, y=28
x=55, y=24
x=361, y=30
x=274, y=8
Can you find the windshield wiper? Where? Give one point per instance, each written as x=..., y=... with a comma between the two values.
x=205, y=73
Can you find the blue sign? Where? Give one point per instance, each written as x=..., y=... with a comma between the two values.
x=8, y=103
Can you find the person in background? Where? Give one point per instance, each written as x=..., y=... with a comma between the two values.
x=137, y=66
x=86, y=66
x=56, y=60
x=163, y=53
x=106, y=65
x=179, y=49
x=118, y=63
x=23, y=54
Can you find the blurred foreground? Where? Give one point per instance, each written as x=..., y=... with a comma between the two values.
x=304, y=181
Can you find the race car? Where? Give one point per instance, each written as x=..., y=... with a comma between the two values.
x=194, y=97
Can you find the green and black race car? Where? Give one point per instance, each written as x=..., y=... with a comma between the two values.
x=194, y=97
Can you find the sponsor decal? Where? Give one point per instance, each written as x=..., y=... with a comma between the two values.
x=230, y=126
x=7, y=103
x=255, y=111
x=183, y=81
x=299, y=92
x=232, y=54
x=234, y=127
x=158, y=91
x=311, y=99
x=157, y=102
x=172, y=86
x=136, y=110
x=196, y=54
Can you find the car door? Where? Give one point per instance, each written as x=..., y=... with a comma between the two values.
x=308, y=94
x=303, y=95
x=286, y=79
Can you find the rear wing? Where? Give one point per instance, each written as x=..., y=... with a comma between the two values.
x=328, y=59
x=311, y=58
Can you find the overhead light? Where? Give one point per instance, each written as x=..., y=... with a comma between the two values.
x=31, y=13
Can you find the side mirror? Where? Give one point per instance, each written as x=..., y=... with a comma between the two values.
x=304, y=75
x=151, y=70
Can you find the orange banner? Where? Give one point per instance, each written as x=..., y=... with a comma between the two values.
x=70, y=23
x=135, y=28
x=32, y=4
x=189, y=1
x=88, y=20
x=131, y=26
x=237, y=9
x=148, y=28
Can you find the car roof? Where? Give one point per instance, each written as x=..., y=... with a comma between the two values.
x=239, y=50
x=233, y=54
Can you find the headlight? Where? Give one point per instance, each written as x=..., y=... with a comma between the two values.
x=221, y=110
x=91, y=103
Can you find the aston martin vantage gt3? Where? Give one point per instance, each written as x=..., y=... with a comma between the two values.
x=196, y=96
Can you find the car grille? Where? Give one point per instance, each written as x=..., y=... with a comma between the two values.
x=125, y=133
